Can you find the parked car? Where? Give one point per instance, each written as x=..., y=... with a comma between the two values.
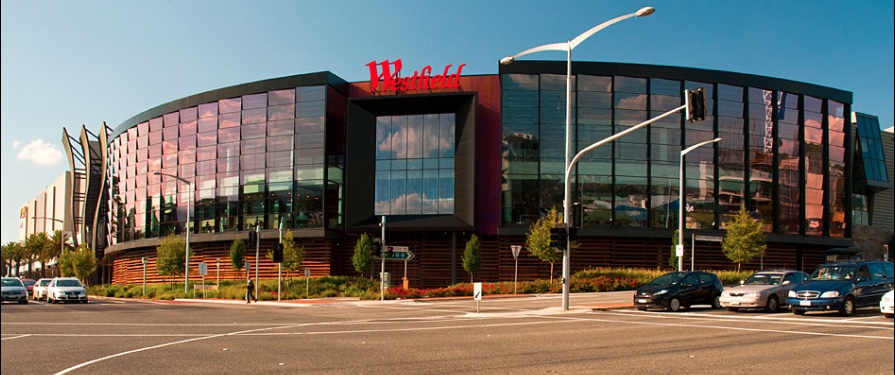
x=29, y=285
x=14, y=290
x=885, y=304
x=65, y=289
x=843, y=287
x=39, y=291
x=764, y=289
x=674, y=290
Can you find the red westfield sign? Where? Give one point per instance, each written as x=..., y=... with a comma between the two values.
x=420, y=80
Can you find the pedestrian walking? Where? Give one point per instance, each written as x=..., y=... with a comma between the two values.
x=250, y=292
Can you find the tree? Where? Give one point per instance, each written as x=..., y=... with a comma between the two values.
x=363, y=255
x=53, y=248
x=237, y=254
x=744, y=240
x=170, y=256
x=34, y=248
x=472, y=259
x=80, y=263
x=13, y=253
x=538, y=240
x=293, y=255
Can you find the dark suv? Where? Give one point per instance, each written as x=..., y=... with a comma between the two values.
x=680, y=289
x=843, y=287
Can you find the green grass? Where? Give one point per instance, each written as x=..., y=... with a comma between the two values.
x=602, y=279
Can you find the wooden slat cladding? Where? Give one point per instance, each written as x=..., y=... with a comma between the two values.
x=431, y=266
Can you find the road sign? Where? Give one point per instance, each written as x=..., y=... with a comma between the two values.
x=516, y=249
x=397, y=253
x=203, y=268
x=477, y=291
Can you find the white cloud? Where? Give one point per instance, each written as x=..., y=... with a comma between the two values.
x=16, y=143
x=40, y=152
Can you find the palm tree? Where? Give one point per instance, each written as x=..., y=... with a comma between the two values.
x=34, y=248
x=54, y=248
x=14, y=252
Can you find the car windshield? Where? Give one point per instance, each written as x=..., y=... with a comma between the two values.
x=44, y=283
x=763, y=279
x=11, y=282
x=834, y=272
x=68, y=283
x=28, y=282
x=667, y=279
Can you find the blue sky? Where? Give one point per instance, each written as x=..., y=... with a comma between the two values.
x=73, y=63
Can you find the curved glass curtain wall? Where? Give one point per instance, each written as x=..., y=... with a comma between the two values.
x=253, y=160
x=767, y=136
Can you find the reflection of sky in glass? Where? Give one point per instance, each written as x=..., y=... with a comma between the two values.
x=414, y=164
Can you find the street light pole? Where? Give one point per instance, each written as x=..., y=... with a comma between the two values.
x=679, y=249
x=189, y=203
x=568, y=47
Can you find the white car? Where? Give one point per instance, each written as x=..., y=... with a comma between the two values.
x=65, y=289
x=14, y=290
x=764, y=290
x=39, y=291
x=885, y=304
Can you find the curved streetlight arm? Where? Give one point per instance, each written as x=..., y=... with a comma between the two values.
x=698, y=145
x=570, y=45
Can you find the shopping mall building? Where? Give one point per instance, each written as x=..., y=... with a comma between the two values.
x=442, y=156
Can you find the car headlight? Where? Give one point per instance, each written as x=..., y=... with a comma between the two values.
x=830, y=294
x=792, y=294
x=888, y=298
x=661, y=292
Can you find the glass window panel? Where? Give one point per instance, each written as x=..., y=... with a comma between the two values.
x=253, y=161
x=206, y=153
x=281, y=112
x=665, y=87
x=155, y=137
x=630, y=85
x=169, y=147
x=254, y=131
x=207, y=139
x=206, y=167
x=309, y=172
x=281, y=97
x=230, y=105
x=208, y=110
x=228, y=135
x=514, y=98
x=310, y=109
x=208, y=124
x=594, y=83
x=187, y=142
x=309, y=156
x=230, y=120
x=309, y=124
x=519, y=81
x=253, y=146
x=309, y=140
x=188, y=128
x=594, y=99
x=279, y=159
x=280, y=143
x=230, y=164
x=254, y=101
x=278, y=128
x=310, y=93
x=188, y=114
x=171, y=119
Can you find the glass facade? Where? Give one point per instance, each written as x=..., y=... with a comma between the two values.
x=252, y=161
x=782, y=154
x=415, y=164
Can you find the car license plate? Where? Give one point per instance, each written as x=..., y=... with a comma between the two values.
x=804, y=303
x=641, y=300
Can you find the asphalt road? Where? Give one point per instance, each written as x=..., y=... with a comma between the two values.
x=521, y=335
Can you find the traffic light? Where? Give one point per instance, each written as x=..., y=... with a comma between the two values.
x=558, y=237
x=278, y=253
x=389, y=252
x=573, y=233
x=696, y=107
x=376, y=246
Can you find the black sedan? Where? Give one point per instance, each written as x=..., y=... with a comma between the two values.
x=674, y=290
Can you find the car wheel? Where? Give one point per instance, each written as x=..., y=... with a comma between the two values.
x=23, y=301
x=734, y=309
x=674, y=305
x=773, y=304
x=716, y=303
x=848, y=307
x=890, y=316
x=798, y=312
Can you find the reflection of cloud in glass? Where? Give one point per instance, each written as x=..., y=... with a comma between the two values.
x=406, y=143
x=416, y=204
